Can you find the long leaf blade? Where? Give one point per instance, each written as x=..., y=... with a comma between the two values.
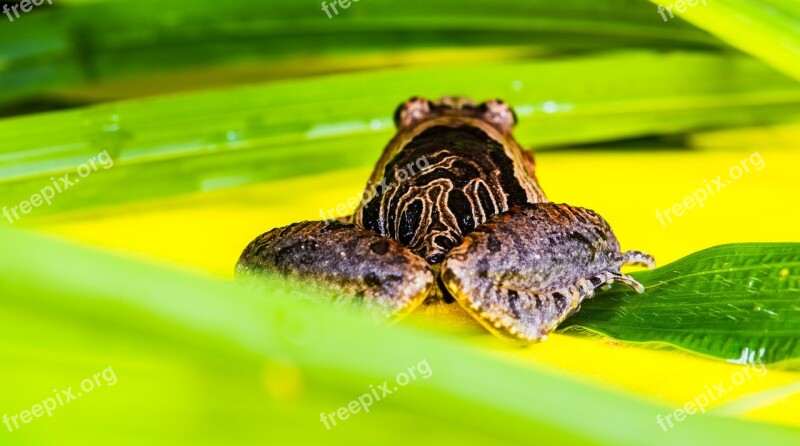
x=57, y=279
x=766, y=29
x=247, y=135
x=738, y=302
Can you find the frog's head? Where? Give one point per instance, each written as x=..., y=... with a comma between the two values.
x=416, y=110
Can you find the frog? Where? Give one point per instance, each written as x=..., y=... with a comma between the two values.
x=473, y=227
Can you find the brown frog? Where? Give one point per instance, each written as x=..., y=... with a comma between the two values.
x=469, y=224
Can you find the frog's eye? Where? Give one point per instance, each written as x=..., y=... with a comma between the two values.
x=412, y=111
x=498, y=113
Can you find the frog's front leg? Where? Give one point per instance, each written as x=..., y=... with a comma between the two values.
x=524, y=271
x=344, y=260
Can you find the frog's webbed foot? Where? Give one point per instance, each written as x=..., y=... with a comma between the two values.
x=524, y=271
x=345, y=261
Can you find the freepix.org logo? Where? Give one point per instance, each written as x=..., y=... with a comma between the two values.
x=60, y=398
x=365, y=401
x=12, y=10
x=61, y=184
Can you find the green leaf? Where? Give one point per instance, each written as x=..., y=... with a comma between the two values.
x=247, y=135
x=766, y=29
x=65, y=47
x=739, y=302
x=61, y=287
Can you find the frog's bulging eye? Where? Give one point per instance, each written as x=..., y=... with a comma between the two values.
x=412, y=111
x=498, y=113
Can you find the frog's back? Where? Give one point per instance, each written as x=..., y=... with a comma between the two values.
x=441, y=177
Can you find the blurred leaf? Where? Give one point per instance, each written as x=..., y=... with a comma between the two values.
x=739, y=302
x=205, y=141
x=61, y=47
x=469, y=387
x=767, y=29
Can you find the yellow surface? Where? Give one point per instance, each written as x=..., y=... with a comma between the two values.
x=627, y=187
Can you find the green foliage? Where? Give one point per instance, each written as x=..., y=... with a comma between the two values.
x=153, y=330
x=89, y=42
x=247, y=135
x=739, y=302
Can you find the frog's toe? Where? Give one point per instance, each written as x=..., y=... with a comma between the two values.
x=638, y=258
x=606, y=278
x=344, y=261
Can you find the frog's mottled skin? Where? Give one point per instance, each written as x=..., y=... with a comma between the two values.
x=475, y=217
x=385, y=275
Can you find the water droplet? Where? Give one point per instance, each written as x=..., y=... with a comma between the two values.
x=550, y=107
x=232, y=136
x=339, y=128
x=524, y=110
x=113, y=124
